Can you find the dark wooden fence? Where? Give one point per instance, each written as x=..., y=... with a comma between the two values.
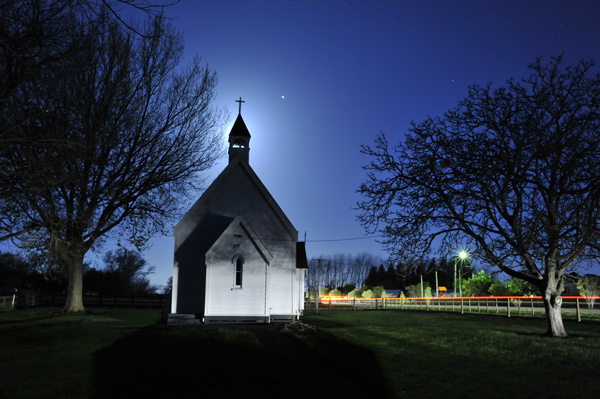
x=143, y=301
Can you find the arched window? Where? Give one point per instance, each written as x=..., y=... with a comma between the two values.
x=238, y=271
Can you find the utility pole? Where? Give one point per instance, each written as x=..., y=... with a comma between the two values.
x=454, y=277
x=460, y=279
x=307, y=302
x=307, y=299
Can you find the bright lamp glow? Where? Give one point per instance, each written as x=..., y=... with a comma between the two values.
x=463, y=255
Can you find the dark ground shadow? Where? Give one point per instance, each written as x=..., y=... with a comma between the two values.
x=155, y=363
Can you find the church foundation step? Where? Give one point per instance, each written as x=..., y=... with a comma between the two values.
x=236, y=319
x=178, y=319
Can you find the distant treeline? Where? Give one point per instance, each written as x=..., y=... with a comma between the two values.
x=365, y=269
x=124, y=272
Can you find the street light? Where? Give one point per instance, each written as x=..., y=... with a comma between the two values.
x=463, y=256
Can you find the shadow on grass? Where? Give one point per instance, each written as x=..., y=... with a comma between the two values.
x=261, y=361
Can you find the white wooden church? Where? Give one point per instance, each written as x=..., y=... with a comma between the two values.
x=237, y=255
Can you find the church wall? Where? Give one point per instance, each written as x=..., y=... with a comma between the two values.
x=235, y=195
x=223, y=298
x=298, y=295
x=239, y=193
x=192, y=240
x=281, y=285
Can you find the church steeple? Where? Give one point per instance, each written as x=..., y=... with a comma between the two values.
x=239, y=137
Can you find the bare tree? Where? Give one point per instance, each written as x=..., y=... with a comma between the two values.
x=34, y=35
x=340, y=269
x=362, y=264
x=589, y=287
x=130, y=270
x=515, y=170
x=35, y=39
x=121, y=130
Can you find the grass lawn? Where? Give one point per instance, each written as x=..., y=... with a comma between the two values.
x=127, y=353
x=448, y=355
x=44, y=354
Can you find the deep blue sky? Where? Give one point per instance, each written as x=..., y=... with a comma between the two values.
x=320, y=78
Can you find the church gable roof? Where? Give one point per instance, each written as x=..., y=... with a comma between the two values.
x=240, y=225
x=237, y=164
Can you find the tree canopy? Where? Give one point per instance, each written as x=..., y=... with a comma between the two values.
x=514, y=170
x=108, y=137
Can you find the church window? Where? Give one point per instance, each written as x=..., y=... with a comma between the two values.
x=238, y=271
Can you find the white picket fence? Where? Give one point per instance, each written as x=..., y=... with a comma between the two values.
x=505, y=305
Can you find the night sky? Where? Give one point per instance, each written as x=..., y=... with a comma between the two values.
x=320, y=78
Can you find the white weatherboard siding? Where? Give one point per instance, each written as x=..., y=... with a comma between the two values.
x=222, y=296
x=298, y=291
x=222, y=299
x=174, y=288
x=281, y=284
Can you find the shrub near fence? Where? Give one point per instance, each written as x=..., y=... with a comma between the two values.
x=506, y=305
x=7, y=302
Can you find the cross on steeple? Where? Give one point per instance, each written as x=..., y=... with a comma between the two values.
x=240, y=101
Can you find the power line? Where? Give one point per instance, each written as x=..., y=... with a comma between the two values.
x=329, y=240
x=345, y=239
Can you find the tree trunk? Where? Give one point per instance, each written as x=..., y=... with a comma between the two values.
x=553, y=303
x=75, y=289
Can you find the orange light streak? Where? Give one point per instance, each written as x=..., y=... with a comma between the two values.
x=341, y=299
